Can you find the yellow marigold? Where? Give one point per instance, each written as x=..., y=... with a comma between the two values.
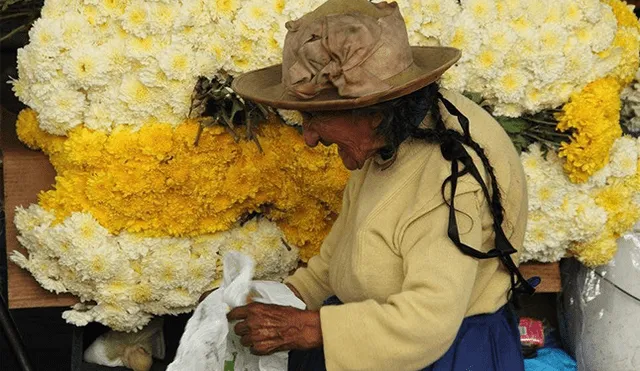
x=156, y=181
x=594, y=115
x=624, y=15
x=626, y=40
x=596, y=252
x=30, y=133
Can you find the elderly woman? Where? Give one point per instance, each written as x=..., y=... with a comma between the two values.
x=418, y=267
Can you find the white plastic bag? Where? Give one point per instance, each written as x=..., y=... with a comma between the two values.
x=208, y=342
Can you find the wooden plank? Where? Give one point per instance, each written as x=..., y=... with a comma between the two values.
x=548, y=272
x=26, y=173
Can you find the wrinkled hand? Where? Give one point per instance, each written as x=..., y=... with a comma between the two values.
x=268, y=328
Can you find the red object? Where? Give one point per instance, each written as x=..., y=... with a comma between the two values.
x=531, y=332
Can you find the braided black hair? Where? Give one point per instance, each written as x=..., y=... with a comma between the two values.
x=402, y=119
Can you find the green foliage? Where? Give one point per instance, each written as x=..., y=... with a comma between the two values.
x=17, y=16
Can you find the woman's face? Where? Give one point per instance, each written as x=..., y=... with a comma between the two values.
x=353, y=134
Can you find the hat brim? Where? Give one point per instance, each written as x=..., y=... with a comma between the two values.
x=265, y=85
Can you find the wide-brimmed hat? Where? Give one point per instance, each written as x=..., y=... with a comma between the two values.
x=346, y=54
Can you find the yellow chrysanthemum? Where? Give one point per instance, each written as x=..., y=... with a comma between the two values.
x=156, y=181
x=594, y=114
x=595, y=252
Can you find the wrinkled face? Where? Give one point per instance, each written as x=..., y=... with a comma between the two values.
x=354, y=134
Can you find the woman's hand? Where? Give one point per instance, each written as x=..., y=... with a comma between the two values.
x=268, y=328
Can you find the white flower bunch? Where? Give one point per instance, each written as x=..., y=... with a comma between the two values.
x=130, y=62
x=561, y=212
x=526, y=56
x=112, y=63
x=128, y=278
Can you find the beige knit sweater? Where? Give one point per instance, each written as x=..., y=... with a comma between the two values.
x=405, y=285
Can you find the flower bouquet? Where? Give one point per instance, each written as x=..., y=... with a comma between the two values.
x=161, y=169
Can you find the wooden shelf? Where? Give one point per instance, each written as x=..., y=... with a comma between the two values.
x=548, y=272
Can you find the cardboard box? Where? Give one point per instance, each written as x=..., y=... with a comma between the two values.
x=26, y=173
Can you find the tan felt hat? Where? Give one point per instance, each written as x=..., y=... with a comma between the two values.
x=343, y=55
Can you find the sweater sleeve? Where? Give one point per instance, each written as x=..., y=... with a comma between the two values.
x=416, y=326
x=312, y=282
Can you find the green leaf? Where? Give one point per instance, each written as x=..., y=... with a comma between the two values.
x=475, y=97
x=513, y=125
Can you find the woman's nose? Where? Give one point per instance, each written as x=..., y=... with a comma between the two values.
x=311, y=137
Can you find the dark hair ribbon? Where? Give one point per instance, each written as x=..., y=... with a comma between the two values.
x=453, y=150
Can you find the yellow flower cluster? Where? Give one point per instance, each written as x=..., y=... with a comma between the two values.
x=594, y=115
x=627, y=37
x=157, y=182
x=617, y=199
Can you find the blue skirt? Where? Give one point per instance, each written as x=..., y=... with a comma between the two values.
x=486, y=342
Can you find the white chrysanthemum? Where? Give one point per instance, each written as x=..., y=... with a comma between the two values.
x=623, y=157
x=466, y=35
x=413, y=15
x=62, y=111
x=499, y=36
x=85, y=232
x=591, y=9
x=58, y=8
x=573, y=14
x=45, y=36
x=20, y=88
x=552, y=37
x=483, y=11
x=132, y=277
x=522, y=25
x=545, y=239
x=143, y=48
x=589, y=219
x=37, y=67
x=27, y=219
x=98, y=117
x=579, y=62
x=437, y=20
x=599, y=36
x=220, y=39
x=456, y=78
x=178, y=62
x=86, y=67
x=153, y=76
x=111, y=9
x=179, y=98
x=167, y=265
x=510, y=85
x=179, y=298
x=136, y=18
x=488, y=63
x=547, y=193
x=264, y=241
x=255, y=16
x=227, y=8
x=76, y=30
x=114, y=51
x=525, y=49
x=138, y=96
x=548, y=67
x=162, y=16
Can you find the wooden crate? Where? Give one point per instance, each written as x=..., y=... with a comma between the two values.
x=26, y=173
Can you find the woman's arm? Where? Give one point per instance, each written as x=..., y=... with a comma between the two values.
x=416, y=326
